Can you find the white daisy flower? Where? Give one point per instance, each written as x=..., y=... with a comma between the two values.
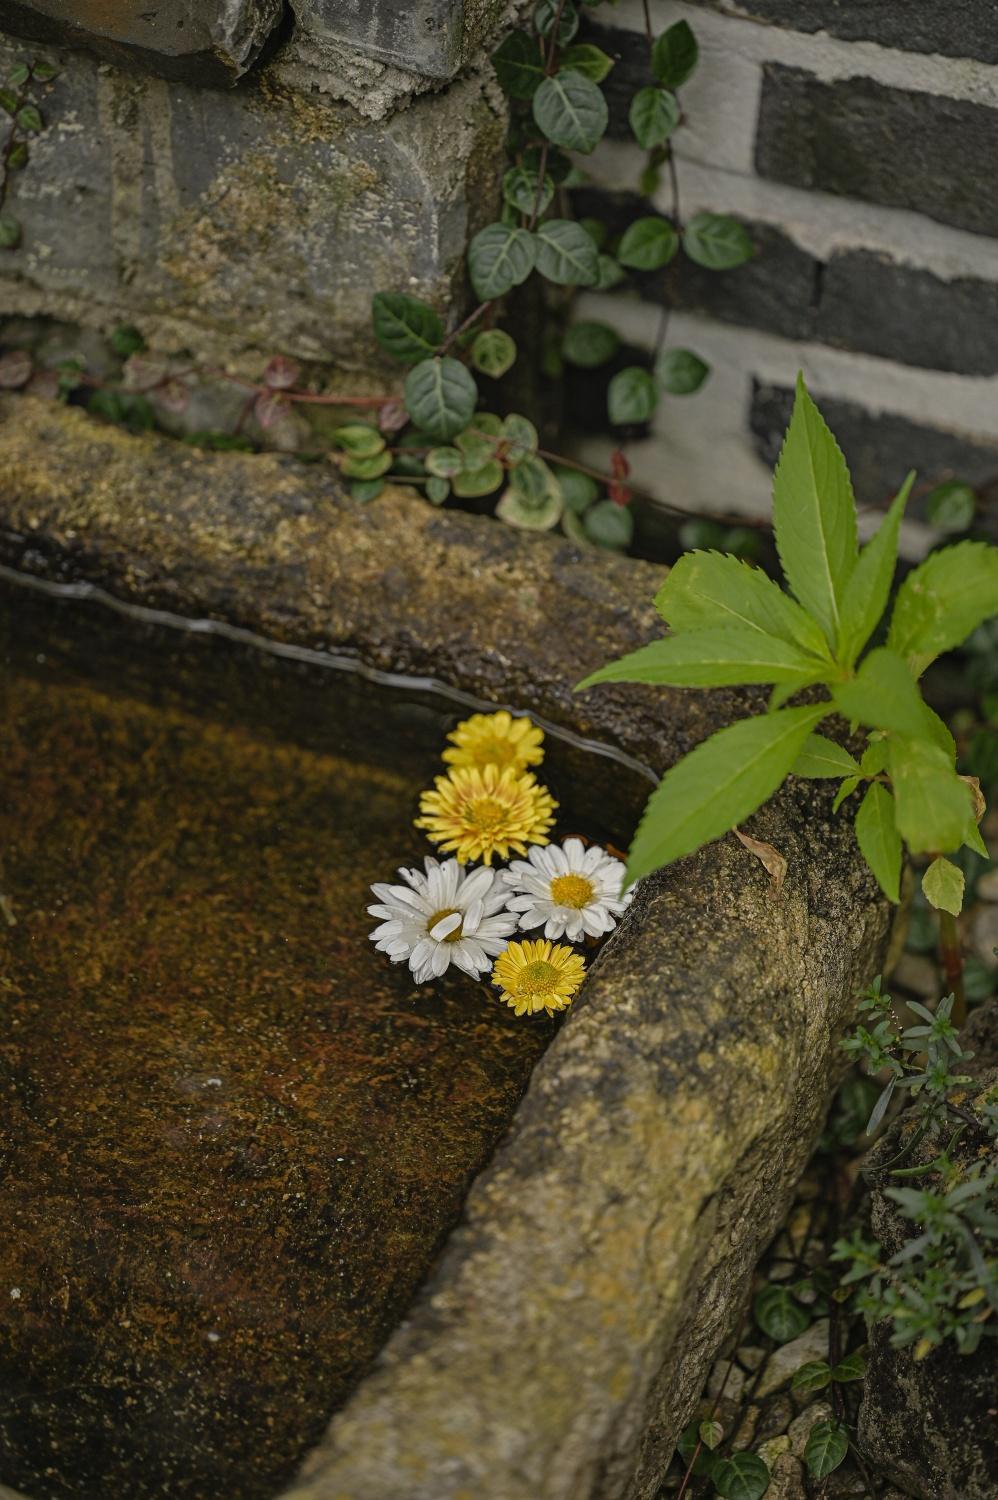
x=443, y=914
x=568, y=889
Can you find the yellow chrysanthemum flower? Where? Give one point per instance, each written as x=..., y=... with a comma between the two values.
x=496, y=740
x=474, y=813
x=536, y=976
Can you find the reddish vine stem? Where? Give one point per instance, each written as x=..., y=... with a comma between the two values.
x=951, y=958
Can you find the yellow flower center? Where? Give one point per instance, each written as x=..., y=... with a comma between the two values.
x=572, y=890
x=538, y=978
x=487, y=814
x=438, y=916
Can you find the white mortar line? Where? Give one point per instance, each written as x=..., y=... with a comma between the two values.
x=829, y=58
x=820, y=223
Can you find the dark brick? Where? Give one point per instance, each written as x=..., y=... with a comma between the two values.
x=956, y=28
x=211, y=43
x=776, y=290
x=861, y=139
x=880, y=447
x=874, y=304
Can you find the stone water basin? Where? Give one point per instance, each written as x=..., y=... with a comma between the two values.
x=233, y=1135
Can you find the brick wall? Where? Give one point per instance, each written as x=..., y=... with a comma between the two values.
x=858, y=140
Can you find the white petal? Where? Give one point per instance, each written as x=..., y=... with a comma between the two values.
x=575, y=852
x=421, y=954
x=473, y=916
x=441, y=958
x=445, y=927
x=476, y=886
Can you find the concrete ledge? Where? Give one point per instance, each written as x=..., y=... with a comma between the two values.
x=563, y=1337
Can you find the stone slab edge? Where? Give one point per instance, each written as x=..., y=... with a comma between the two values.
x=563, y=1337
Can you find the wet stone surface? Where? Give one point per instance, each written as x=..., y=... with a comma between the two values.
x=232, y=1135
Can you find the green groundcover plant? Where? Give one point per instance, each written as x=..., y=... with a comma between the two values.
x=731, y=624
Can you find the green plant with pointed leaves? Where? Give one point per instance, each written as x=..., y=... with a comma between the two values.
x=19, y=107
x=731, y=624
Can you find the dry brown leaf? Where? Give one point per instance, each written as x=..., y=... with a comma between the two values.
x=980, y=806
x=767, y=855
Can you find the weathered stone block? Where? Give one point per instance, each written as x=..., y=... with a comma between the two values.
x=214, y=42
x=899, y=147
x=425, y=37
x=960, y=28
x=247, y=220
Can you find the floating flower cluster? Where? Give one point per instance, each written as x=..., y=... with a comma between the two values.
x=490, y=804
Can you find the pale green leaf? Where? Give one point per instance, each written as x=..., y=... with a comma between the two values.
x=718, y=785
x=943, y=885
x=499, y=258
x=877, y=835
x=571, y=111
x=865, y=597
x=825, y=1448
x=822, y=757
x=933, y=804
x=718, y=657
x=712, y=588
x=440, y=396
x=631, y=397
x=814, y=515
x=847, y=788
x=883, y=695
x=943, y=600
x=566, y=254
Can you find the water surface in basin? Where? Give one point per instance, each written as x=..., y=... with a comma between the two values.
x=232, y=1135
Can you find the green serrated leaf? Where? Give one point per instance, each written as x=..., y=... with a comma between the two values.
x=717, y=242
x=943, y=600
x=591, y=61
x=933, y=804
x=721, y=656
x=877, y=835
x=865, y=596
x=675, y=55
x=609, y=525
x=743, y=1476
x=519, y=65
x=589, y=345
x=648, y=244
x=631, y=397
x=822, y=757
x=440, y=396
x=653, y=116
x=493, y=352
x=826, y=1447
x=813, y=1376
x=680, y=371
x=718, y=785
x=712, y=588
x=566, y=254
x=525, y=192
x=500, y=257
x=571, y=111
x=814, y=515
x=883, y=695
x=845, y=790
x=943, y=884
x=406, y=327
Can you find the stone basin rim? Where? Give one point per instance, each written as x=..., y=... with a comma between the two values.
x=562, y=1338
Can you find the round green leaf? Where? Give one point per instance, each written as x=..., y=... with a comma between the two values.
x=717, y=242
x=126, y=340
x=711, y=1432
x=680, y=371
x=515, y=511
x=648, y=244
x=367, y=468
x=520, y=436
x=520, y=189
x=472, y=482
x=533, y=482
x=406, y=327
x=571, y=111
x=519, y=65
x=653, y=116
x=588, y=60
x=608, y=273
x=631, y=396
x=825, y=1449
x=10, y=232
x=17, y=156
x=589, y=345
x=566, y=254
x=951, y=506
x=493, y=352
x=29, y=119
x=359, y=439
x=578, y=491
x=943, y=885
x=437, y=490
x=743, y=1476
x=476, y=446
x=609, y=525
x=19, y=74
x=675, y=54
x=44, y=71
x=499, y=258
x=813, y=1376
x=779, y=1314
x=546, y=13
x=440, y=396
x=443, y=463
x=574, y=529
x=366, y=489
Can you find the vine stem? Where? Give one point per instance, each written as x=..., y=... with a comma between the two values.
x=951, y=957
